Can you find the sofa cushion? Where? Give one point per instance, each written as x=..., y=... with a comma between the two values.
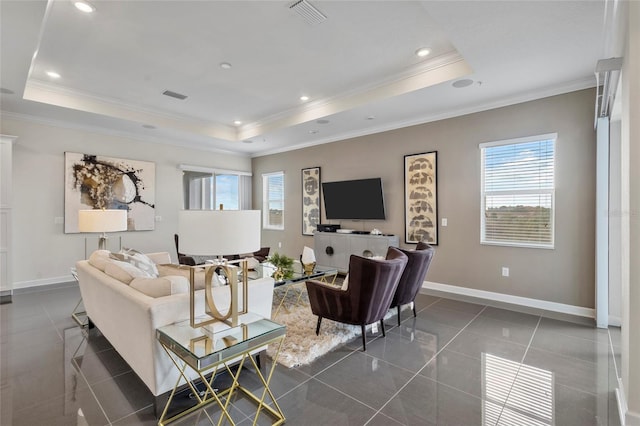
x=123, y=271
x=137, y=259
x=183, y=271
x=160, y=287
x=99, y=259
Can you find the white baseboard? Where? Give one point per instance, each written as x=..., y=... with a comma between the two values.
x=631, y=419
x=43, y=281
x=514, y=300
x=615, y=321
x=627, y=418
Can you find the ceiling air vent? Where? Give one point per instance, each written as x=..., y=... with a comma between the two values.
x=310, y=14
x=174, y=95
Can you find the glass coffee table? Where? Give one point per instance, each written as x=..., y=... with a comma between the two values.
x=204, y=351
x=296, y=282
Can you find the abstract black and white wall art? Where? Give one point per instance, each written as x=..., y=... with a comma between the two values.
x=98, y=182
x=421, y=198
x=310, y=200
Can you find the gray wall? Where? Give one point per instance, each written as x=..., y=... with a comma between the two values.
x=564, y=274
x=42, y=252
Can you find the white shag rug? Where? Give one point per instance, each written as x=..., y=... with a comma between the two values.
x=302, y=346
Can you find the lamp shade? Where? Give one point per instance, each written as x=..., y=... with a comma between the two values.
x=219, y=232
x=102, y=220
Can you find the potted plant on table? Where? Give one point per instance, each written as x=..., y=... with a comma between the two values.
x=283, y=265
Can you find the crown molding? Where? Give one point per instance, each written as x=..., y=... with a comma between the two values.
x=36, y=90
x=444, y=68
x=560, y=89
x=110, y=132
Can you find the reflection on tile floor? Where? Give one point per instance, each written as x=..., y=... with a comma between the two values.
x=457, y=363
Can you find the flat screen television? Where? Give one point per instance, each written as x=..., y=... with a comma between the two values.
x=361, y=199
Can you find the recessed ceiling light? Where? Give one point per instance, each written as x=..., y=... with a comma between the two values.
x=53, y=74
x=237, y=122
x=322, y=121
x=465, y=82
x=313, y=132
x=423, y=51
x=371, y=117
x=304, y=98
x=225, y=65
x=247, y=141
x=6, y=91
x=148, y=126
x=84, y=6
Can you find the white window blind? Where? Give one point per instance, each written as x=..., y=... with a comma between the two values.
x=518, y=191
x=273, y=200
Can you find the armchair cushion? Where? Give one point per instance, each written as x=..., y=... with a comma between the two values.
x=367, y=299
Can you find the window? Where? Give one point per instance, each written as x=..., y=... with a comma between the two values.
x=208, y=189
x=227, y=189
x=273, y=200
x=518, y=192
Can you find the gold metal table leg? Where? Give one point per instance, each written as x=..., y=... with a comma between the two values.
x=210, y=395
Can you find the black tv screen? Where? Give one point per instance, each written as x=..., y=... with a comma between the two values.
x=354, y=199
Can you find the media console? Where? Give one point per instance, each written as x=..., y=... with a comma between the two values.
x=333, y=249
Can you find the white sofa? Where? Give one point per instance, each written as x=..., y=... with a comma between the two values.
x=128, y=318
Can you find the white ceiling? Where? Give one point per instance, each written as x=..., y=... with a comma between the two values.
x=358, y=66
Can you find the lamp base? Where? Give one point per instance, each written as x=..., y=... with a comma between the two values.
x=308, y=268
x=102, y=242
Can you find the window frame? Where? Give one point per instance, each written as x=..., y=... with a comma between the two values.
x=213, y=187
x=553, y=137
x=265, y=201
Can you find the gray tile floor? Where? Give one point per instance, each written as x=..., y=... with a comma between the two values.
x=457, y=363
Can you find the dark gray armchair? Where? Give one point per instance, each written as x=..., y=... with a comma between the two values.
x=413, y=276
x=372, y=284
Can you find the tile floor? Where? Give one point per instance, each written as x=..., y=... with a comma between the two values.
x=457, y=363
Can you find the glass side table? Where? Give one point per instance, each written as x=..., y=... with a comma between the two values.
x=295, y=283
x=201, y=350
x=79, y=316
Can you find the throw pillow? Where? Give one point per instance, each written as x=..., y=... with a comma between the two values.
x=183, y=271
x=123, y=271
x=160, y=287
x=99, y=259
x=137, y=259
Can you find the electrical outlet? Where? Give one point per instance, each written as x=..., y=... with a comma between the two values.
x=444, y=221
x=505, y=271
x=279, y=244
x=158, y=218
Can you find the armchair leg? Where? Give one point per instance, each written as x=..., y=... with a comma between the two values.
x=318, y=326
x=398, y=315
x=414, y=309
x=382, y=327
x=364, y=338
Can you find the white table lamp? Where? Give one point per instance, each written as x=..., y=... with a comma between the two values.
x=102, y=221
x=219, y=232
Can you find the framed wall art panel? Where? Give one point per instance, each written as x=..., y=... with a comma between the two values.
x=421, y=198
x=310, y=200
x=98, y=182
